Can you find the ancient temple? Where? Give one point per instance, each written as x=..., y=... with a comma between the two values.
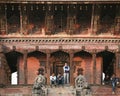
x=47, y=33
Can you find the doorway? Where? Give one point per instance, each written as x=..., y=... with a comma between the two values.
x=58, y=60
x=58, y=67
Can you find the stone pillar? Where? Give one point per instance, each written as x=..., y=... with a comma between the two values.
x=23, y=69
x=95, y=19
x=117, y=26
x=2, y=20
x=5, y=72
x=48, y=68
x=71, y=69
x=94, y=67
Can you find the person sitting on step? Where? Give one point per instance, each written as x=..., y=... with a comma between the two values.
x=60, y=79
x=52, y=80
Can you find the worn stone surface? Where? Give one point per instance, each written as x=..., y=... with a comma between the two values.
x=58, y=91
x=61, y=91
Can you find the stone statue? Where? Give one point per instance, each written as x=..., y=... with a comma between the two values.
x=39, y=84
x=81, y=85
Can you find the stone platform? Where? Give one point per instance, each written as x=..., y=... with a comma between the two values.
x=56, y=91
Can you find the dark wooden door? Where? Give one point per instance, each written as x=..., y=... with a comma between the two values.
x=58, y=67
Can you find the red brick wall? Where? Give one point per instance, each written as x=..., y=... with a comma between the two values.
x=87, y=65
x=32, y=66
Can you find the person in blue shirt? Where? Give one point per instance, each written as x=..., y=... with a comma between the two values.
x=66, y=70
x=114, y=81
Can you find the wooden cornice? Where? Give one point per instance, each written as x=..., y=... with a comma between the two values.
x=77, y=44
x=60, y=1
x=67, y=40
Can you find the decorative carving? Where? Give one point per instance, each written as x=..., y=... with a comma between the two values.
x=106, y=47
x=14, y=48
x=37, y=48
x=39, y=84
x=81, y=85
x=6, y=73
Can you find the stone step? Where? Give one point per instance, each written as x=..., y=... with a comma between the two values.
x=70, y=91
x=61, y=91
x=57, y=91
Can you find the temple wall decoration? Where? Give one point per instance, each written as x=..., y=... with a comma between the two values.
x=48, y=35
x=5, y=70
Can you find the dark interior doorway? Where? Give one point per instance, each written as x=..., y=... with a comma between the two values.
x=58, y=67
x=108, y=63
x=58, y=60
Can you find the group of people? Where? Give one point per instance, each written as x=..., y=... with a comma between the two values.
x=56, y=80
x=40, y=80
x=60, y=79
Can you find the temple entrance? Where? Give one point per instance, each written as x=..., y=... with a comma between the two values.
x=58, y=60
x=108, y=61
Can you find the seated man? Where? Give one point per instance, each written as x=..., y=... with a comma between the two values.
x=53, y=79
x=60, y=79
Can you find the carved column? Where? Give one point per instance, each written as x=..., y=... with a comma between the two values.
x=23, y=69
x=49, y=19
x=5, y=72
x=48, y=68
x=71, y=19
x=95, y=19
x=94, y=67
x=2, y=20
x=71, y=68
x=25, y=66
x=117, y=27
x=117, y=64
x=23, y=19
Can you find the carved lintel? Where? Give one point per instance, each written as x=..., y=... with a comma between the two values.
x=83, y=47
x=13, y=48
x=106, y=47
x=25, y=51
x=37, y=48
x=60, y=47
x=1, y=49
x=48, y=51
x=94, y=51
x=118, y=48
